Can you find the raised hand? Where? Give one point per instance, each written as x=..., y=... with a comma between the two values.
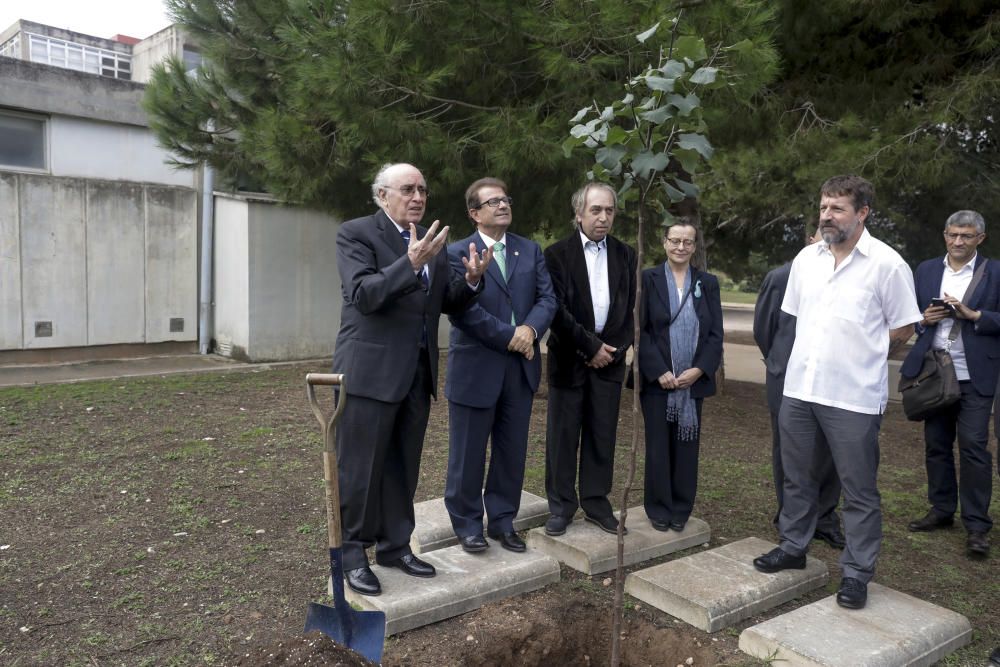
x=422, y=251
x=476, y=263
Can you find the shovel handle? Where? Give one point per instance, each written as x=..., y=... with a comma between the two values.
x=329, y=446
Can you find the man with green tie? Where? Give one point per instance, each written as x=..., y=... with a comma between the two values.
x=494, y=368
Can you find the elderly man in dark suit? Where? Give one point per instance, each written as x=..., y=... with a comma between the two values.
x=395, y=284
x=955, y=296
x=774, y=333
x=494, y=368
x=593, y=275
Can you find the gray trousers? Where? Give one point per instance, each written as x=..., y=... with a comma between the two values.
x=852, y=439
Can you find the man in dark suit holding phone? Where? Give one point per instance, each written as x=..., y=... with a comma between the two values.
x=593, y=275
x=961, y=289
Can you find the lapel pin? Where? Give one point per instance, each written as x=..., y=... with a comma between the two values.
x=516, y=253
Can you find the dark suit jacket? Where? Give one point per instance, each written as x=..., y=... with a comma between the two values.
x=477, y=354
x=654, y=332
x=774, y=331
x=572, y=340
x=981, y=341
x=385, y=310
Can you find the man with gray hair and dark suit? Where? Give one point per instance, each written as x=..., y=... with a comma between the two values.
x=395, y=283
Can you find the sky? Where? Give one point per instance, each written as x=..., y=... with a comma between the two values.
x=100, y=18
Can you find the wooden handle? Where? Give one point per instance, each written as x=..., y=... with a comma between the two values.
x=325, y=379
x=327, y=422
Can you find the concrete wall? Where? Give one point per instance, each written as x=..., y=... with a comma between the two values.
x=277, y=291
x=104, y=262
x=127, y=153
x=155, y=49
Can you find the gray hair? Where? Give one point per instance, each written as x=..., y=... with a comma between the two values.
x=379, y=182
x=966, y=219
x=579, y=199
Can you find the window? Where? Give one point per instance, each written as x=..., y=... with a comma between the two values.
x=22, y=141
x=12, y=47
x=52, y=51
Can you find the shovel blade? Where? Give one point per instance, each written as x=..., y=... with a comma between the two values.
x=361, y=631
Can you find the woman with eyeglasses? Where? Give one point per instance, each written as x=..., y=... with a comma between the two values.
x=680, y=348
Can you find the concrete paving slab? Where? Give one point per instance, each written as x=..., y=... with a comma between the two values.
x=714, y=589
x=464, y=582
x=893, y=630
x=433, y=526
x=588, y=549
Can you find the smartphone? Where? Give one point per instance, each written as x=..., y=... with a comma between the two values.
x=940, y=303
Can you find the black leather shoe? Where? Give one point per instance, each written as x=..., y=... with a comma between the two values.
x=931, y=521
x=474, y=543
x=363, y=580
x=995, y=657
x=412, y=566
x=556, y=525
x=777, y=560
x=853, y=593
x=834, y=537
x=677, y=526
x=510, y=541
x=609, y=524
x=662, y=526
x=977, y=545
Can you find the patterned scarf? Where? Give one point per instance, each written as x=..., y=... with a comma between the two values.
x=683, y=332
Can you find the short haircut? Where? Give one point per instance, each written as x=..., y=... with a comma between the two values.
x=379, y=182
x=966, y=219
x=861, y=192
x=472, y=192
x=579, y=199
x=681, y=221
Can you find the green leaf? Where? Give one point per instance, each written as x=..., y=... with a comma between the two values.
x=659, y=115
x=569, y=145
x=610, y=157
x=689, y=189
x=672, y=192
x=685, y=104
x=659, y=83
x=698, y=143
x=689, y=160
x=628, y=98
x=616, y=135
x=580, y=131
x=688, y=46
x=608, y=113
x=673, y=69
x=643, y=36
x=744, y=47
x=645, y=164
x=704, y=75
x=626, y=186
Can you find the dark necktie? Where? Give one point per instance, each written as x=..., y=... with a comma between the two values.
x=423, y=272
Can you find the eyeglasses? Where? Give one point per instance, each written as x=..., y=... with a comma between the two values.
x=495, y=202
x=408, y=190
x=951, y=236
x=687, y=243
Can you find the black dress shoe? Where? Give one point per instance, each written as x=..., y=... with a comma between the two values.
x=474, y=543
x=853, y=593
x=931, y=521
x=510, y=541
x=556, y=525
x=677, y=525
x=834, y=537
x=777, y=560
x=977, y=545
x=363, y=580
x=995, y=657
x=412, y=566
x=609, y=524
x=662, y=526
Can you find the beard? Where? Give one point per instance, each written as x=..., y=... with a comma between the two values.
x=834, y=235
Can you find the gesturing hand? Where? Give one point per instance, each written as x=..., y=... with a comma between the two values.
x=476, y=263
x=422, y=251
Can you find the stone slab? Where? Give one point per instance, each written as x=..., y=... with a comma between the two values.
x=464, y=582
x=433, y=526
x=588, y=549
x=893, y=630
x=714, y=589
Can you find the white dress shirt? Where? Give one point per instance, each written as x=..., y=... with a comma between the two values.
x=844, y=316
x=954, y=283
x=596, y=254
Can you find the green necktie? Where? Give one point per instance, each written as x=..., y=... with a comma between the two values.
x=501, y=257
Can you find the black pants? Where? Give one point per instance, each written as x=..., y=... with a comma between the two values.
x=671, y=463
x=581, y=420
x=968, y=419
x=378, y=462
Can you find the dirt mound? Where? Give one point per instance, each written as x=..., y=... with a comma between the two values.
x=314, y=648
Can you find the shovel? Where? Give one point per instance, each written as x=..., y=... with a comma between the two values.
x=360, y=631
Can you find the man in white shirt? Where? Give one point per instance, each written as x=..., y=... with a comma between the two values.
x=853, y=297
x=973, y=305
x=593, y=275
